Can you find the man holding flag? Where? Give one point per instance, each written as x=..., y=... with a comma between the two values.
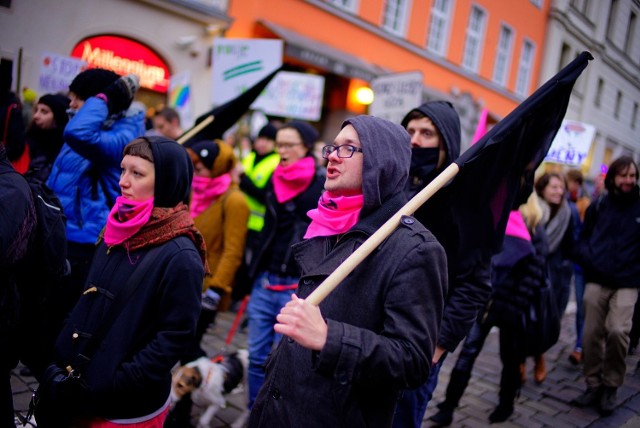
x=346, y=360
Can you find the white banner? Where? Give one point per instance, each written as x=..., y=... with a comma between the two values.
x=572, y=143
x=238, y=64
x=395, y=94
x=292, y=95
x=57, y=72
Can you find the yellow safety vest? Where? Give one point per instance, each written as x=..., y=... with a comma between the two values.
x=259, y=174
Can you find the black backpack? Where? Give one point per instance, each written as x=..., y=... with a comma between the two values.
x=48, y=244
x=40, y=276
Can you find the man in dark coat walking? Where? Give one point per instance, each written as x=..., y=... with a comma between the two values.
x=608, y=251
x=345, y=361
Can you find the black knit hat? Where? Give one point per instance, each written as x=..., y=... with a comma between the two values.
x=91, y=82
x=307, y=132
x=206, y=150
x=58, y=104
x=268, y=131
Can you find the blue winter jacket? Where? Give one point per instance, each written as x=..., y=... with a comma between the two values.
x=85, y=174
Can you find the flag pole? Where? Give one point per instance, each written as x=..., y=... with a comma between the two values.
x=193, y=131
x=367, y=247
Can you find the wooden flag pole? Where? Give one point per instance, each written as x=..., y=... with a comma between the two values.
x=193, y=131
x=341, y=272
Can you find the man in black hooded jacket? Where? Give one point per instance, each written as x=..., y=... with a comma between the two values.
x=434, y=128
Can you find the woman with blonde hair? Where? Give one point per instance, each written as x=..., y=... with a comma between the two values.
x=518, y=272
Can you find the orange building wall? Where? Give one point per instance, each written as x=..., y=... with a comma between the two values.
x=524, y=18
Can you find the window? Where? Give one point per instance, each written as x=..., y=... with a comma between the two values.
x=348, y=5
x=537, y=3
x=525, y=67
x=439, y=26
x=395, y=16
x=474, y=41
x=631, y=33
x=616, y=109
x=565, y=56
x=634, y=116
x=599, y=89
x=503, y=56
x=613, y=11
x=581, y=6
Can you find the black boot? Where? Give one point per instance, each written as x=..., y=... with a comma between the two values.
x=457, y=384
x=501, y=413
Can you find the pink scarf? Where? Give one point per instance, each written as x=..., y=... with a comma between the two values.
x=125, y=219
x=516, y=226
x=206, y=190
x=290, y=181
x=334, y=215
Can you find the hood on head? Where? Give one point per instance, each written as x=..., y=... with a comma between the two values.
x=386, y=149
x=58, y=104
x=174, y=172
x=445, y=117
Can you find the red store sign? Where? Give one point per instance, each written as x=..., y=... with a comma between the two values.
x=125, y=56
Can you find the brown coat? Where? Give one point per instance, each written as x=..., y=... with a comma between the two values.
x=224, y=228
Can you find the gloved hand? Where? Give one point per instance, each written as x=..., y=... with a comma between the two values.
x=120, y=93
x=63, y=389
x=60, y=398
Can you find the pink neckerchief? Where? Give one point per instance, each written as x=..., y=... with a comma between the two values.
x=334, y=215
x=290, y=181
x=125, y=219
x=516, y=226
x=206, y=190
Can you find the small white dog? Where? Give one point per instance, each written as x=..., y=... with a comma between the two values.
x=209, y=381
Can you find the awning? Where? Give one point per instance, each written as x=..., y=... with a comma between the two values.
x=321, y=55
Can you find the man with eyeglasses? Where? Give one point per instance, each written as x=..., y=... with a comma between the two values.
x=293, y=189
x=345, y=361
x=434, y=130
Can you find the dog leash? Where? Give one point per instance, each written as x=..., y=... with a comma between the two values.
x=218, y=358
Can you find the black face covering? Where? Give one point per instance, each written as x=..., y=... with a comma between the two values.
x=423, y=162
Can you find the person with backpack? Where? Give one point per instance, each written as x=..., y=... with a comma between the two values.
x=138, y=312
x=86, y=172
x=17, y=222
x=518, y=275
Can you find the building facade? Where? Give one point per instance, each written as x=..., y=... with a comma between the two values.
x=476, y=54
x=607, y=95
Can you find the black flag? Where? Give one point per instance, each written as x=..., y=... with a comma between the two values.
x=496, y=173
x=227, y=114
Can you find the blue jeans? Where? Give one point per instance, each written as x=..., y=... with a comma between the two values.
x=413, y=403
x=264, y=306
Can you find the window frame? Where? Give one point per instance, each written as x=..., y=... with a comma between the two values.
x=436, y=45
x=477, y=36
x=503, y=55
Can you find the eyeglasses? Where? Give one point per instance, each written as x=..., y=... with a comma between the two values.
x=287, y=146
x=343, y=151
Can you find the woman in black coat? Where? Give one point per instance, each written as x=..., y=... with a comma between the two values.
x=114, y=355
